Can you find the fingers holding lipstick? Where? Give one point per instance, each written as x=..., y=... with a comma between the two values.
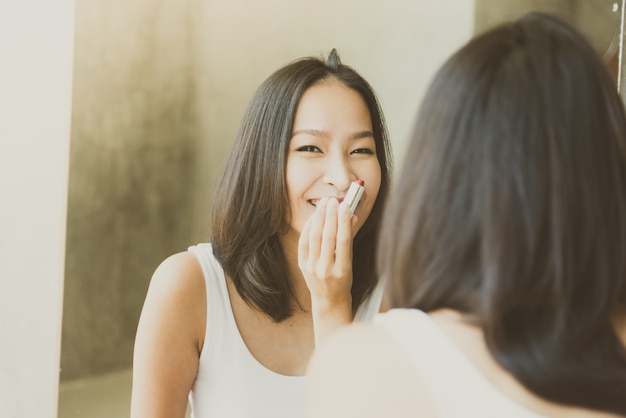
x=309, y=244
x=316, y=252
x=315, y=231
x=343, y=242
x=325, y=259
x=329, y=232
x=325, y=248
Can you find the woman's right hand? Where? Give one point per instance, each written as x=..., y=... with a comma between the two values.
x=325, y=259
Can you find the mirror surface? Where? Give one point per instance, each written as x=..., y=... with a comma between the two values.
x=159, y=88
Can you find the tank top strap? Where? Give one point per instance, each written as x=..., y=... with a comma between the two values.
x=217, y=300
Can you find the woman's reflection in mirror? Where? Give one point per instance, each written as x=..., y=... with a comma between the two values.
x=232, y=323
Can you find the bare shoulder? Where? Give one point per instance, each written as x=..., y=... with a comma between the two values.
x=178, y=272
x=169, y=338
x=177, y=290
x=361, y=372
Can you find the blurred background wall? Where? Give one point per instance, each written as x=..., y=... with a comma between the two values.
x=598, y=19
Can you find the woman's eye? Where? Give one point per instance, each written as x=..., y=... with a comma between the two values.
x=309, y=148
x=363, y=151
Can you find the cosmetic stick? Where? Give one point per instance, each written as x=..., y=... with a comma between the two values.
x=354, y=194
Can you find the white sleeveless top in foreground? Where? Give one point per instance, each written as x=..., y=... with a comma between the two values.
x=230, y=382
x=455, y=385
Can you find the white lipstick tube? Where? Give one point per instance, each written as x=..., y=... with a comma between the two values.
x=354, y=194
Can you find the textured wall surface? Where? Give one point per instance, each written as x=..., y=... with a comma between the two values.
x=131, y=171
x=599, y=20
x=491, y=12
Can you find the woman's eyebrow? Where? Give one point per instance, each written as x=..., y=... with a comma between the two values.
x=312, y=132
x=363, y=134
x=321, y=133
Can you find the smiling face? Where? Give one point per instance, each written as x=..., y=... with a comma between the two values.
x=332, y=145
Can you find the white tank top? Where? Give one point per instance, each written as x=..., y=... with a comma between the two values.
x=457, y=388
x=230, y=382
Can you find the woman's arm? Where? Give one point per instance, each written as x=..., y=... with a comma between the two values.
x=169, y=339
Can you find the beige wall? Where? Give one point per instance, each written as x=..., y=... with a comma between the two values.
x=491, y=12
x=35, y=94
x=599, y=20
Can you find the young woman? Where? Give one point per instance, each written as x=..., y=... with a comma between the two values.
x=234, y=322
x=504, y=242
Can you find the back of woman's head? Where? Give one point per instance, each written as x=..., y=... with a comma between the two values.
x=511, y=208
x=250, y=207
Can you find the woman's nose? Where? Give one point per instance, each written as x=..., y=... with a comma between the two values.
x=339, y=173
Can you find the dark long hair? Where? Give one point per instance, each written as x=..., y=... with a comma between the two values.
x=511, y=208
x=251, y=208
